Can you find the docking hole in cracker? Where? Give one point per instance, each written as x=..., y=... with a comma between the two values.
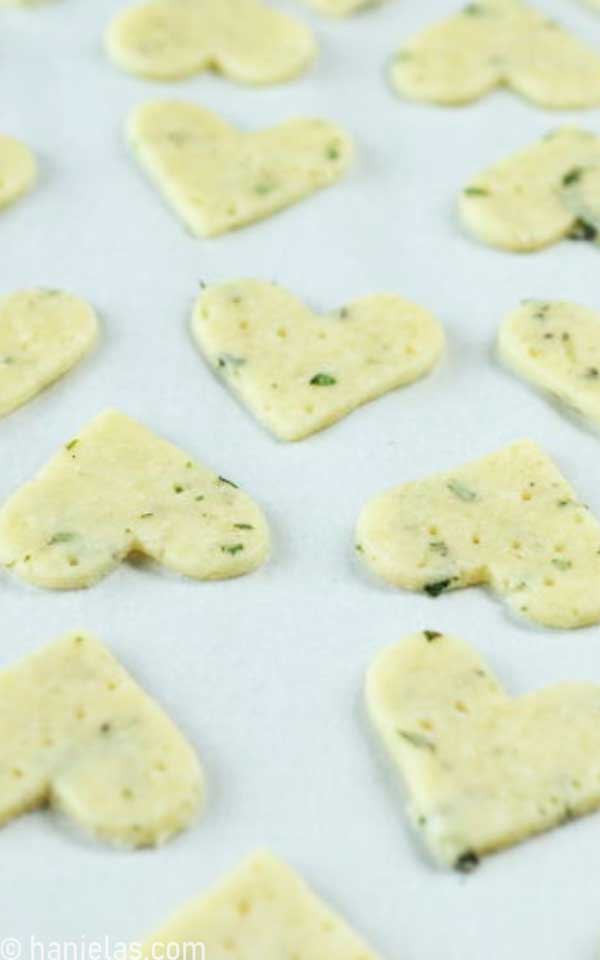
x=483, y=770
x=43, y=334
x=18, y=170
x=79, y=735
x=299, y=372
x=218, y=179
x=556, y=346
x=246, y=40
x=117, y=489
x=498, y=43
x=509, y=521
x=546, y=193
x=262, y=911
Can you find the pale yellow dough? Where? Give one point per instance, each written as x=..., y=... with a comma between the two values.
x=509, y=520
x=218, y=179
x=557, y=347
x=263, y=911
x=246, y=40
x=299, y=372
x=18, y=170
x=43, y=333
x=79, y=734
x=116, y=489
x=341, y=8
x=483, y=771
x=495, y=43
x=539, y=196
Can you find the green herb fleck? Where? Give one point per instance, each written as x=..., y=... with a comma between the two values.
x=417, y=740
x=323, y=380
x=582, y=230
x=144, y=516
x=561, y=563
x=71, y=444
x=235, y=548
x=438, y=546
x=333, y=152
x=476, y=192
x=61, y=537
x=437, y=587
x=265, y=187
x=431, y=635
x=461, y=491
x=177, y=488
x=229, y=483
x=467, y=862
x=592, y=373
x=229, y=360
x=243, y=526
x=573, y=176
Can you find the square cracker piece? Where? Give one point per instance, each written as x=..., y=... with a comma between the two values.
x=263, y=911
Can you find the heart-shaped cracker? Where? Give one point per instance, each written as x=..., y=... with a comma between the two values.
x=509, y=520
x=245, y=40
x=43, y=333
x=483, y=771
x=79, y=734
x=557, y=347
x=299, y=372
x=539, y=196
x=496, y=43
x=218, y=179
x=116, y=489
x=262, y=911
x=18, y=170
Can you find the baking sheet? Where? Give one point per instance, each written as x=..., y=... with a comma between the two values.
x=265, y=674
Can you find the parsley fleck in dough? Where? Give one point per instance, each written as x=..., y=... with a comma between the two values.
x=218, y=179
x=79, y=734
x=484, y=771
x=262, y=911
x=546, y=193
x=299, y=372
x=556, y=345
x=115, y=489
x=246, y=40
x=341, y=8
x=18, y=170
x=43, y=333
x=509, y=520
x=495, y=43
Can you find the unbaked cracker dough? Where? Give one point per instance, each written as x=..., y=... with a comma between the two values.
x=556, y=345
x=116, y=489
x=43, y=333
x=342, y=8
x=299, y=372
x=483, y=771
x=246, y=40
x=218, y=179
x=493, y=43
x=538, y=196
x=263, y=911
x=18, y=170
x=79, y=734
x=509, y=520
